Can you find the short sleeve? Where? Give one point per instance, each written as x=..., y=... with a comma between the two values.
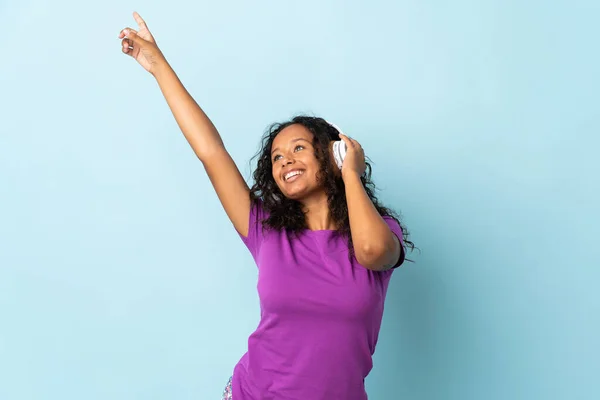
x=397, y=230
x=255, y=232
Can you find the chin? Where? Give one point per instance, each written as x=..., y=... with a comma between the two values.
x=293, y=195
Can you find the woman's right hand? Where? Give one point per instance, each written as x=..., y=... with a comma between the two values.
x=142, y=46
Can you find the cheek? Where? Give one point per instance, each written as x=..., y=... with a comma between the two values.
x=310, y=159
x=276, y=177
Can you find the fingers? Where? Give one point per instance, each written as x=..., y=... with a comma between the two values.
x=128, y=40
x=346, y=140
x=132, y=36
x=129, y=33
x=127, y=46
x=350, y=142
x=140, y=21
x=126, y=32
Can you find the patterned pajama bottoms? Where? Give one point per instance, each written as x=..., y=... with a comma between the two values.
x=227, y=391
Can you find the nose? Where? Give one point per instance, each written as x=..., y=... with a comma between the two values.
x=285, y=160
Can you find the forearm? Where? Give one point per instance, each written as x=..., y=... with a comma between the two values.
x=197, y=128
x=371, y=235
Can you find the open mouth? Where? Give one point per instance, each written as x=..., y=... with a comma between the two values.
x=293, y=175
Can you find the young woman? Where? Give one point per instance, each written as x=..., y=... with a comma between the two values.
x=325, y=248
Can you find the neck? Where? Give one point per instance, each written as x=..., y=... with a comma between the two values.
x=318, y=217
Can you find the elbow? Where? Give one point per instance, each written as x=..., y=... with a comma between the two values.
x=372, y=257
x=381, y=257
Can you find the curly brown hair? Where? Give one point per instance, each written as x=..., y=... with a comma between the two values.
x=284, y=213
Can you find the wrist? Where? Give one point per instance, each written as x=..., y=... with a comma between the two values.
x=350, y=175
x=161, y=69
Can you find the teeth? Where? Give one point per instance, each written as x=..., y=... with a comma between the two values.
x=290, y=174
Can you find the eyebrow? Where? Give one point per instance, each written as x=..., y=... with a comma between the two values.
x=295, y=140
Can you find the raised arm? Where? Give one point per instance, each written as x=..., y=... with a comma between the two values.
x=201, y=134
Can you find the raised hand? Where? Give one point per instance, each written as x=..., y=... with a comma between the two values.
x=141, y=45
x=354, y=161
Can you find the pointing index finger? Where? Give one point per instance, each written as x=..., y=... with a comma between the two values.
x=141, y=23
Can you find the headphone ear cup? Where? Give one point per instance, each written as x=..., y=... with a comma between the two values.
x=339, y=152
x=339, y=147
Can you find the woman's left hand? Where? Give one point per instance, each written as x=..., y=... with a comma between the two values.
x=354, y=161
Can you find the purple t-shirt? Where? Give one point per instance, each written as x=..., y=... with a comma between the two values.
x=320, y=316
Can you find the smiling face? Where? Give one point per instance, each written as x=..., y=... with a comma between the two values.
x=295, y=166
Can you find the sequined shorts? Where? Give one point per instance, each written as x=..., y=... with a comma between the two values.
x=227, y=391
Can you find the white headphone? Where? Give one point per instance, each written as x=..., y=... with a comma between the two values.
x=339, y=148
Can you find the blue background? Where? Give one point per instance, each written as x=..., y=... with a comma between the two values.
x=122, y=278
